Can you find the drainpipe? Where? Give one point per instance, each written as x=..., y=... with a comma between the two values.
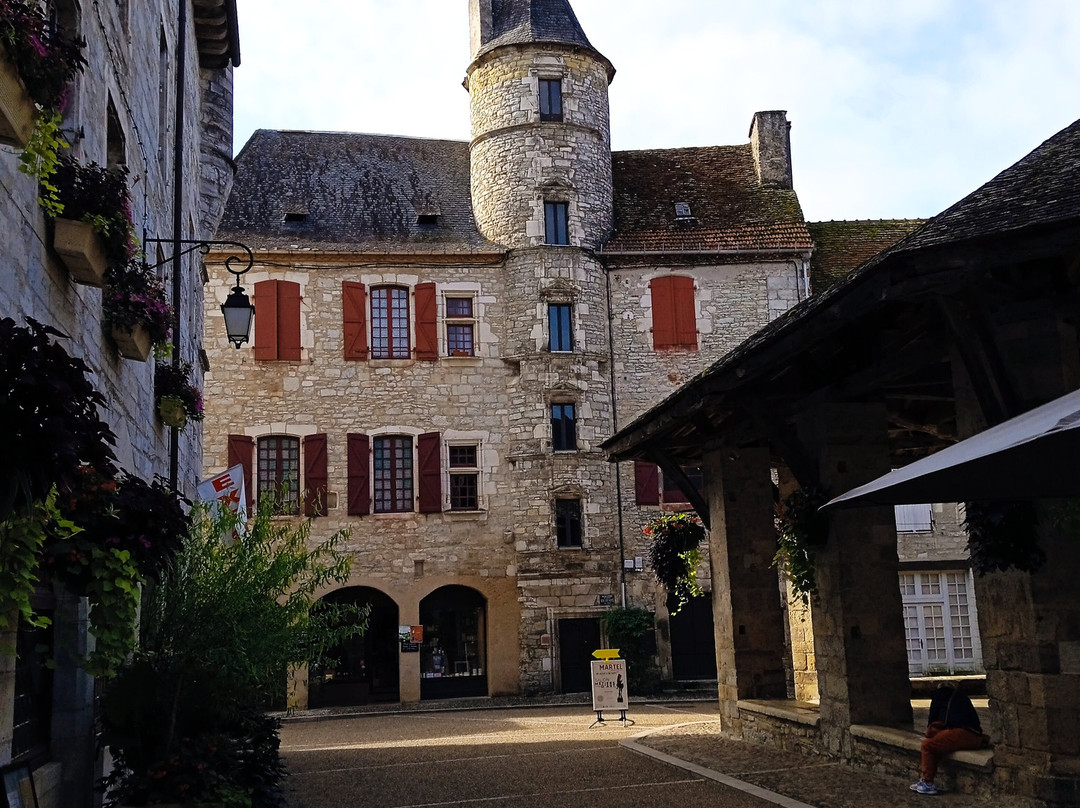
x=614, y=429
x=178, y=223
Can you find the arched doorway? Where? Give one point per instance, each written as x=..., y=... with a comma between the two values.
x=364, y=668
x=453, y=657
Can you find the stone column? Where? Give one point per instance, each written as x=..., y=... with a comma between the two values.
x=409, y=664
x=799, y=619
x=747, y=610
x=858, y=618
x=1030, y=622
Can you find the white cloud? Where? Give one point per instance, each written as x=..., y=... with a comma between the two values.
x=898, y=108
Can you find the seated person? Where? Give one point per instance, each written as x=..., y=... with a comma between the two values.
x=953, y=725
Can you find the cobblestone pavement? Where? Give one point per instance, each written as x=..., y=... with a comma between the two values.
x=551, y=756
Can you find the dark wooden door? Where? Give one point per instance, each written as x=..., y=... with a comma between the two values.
x=693, y=646
x=578, y=638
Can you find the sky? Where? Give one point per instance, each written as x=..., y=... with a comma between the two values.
x=899, y=108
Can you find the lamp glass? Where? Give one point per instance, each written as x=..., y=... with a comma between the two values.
x=238, y=313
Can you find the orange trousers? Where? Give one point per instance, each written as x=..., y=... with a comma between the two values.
x=944, y=742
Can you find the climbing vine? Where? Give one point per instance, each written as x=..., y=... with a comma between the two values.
x=801, y=528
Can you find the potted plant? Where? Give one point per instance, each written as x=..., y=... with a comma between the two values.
x=178, y=400
x=136, y=311
x=801, y=529
x=37, y=65
x=674, y=553
x=92, y=229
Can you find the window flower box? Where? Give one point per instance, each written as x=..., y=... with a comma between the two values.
x=81, y=250
x=132, y=341
x=17, y=111
x=172, y=412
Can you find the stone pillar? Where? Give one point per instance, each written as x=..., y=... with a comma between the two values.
x=799, y=620
x=747, y=610
x=858, y=623
x=1030, y=622
x=409, y=664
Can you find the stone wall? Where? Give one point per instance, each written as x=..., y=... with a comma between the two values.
x=518, y=162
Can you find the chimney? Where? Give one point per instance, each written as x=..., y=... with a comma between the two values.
x=479, y=26
x=770, y=141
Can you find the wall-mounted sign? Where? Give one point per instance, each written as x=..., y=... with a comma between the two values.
x=410, y=637
x=605, y=600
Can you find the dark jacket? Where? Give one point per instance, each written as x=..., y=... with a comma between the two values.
x=954, y=710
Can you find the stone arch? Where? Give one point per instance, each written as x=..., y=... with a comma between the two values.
x=364, y=669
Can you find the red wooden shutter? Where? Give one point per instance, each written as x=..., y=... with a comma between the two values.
x=354, y=318
x=427, y=335
x=646, y=483
x=682, y=297
x=663, y=313
x=241, y=453
x=288, y=321
x=359, y=451
x=315, y=475
x=429, y=451
x=266, y=320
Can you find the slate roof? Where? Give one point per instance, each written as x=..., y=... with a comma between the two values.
x=840, y=247
x=1039, y=193
x=350, y=192
x=729, y=209
x=518, y=22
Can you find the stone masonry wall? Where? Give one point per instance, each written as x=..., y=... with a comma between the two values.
x=518, y=162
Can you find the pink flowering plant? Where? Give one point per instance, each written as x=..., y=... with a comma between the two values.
x=47, y=61
x=173, y=380
x=134, y=296
x=99, y=197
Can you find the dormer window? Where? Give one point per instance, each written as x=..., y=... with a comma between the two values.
x=551, y=100
x=296, y=218
x=427, y=219
x=682, y=210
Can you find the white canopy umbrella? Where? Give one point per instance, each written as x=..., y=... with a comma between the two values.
x=1036, y=454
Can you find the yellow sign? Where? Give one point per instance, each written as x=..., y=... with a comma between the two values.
x=606, y=653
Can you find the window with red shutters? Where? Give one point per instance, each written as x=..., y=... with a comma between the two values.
x=390, y=322
x=354, y=319
x=674, y=318
x=277, y=321
x=359, y=455
x=315, y=475
x=646, y=483
x=241, y=453
x=429, y=450
x=427, y=334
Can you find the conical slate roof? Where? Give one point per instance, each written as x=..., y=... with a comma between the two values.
x=518, y=22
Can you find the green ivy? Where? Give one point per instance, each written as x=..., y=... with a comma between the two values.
x=41, y=157
x=630, y=629
x=801, y=528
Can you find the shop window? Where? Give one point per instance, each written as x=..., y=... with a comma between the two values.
x=568, y=522
x=674, y=318
x=551, y=100
x=464, y=477
x=563, y=428
x=390, y=322
x=453, y=654
x=277, y=321
x=459, y=326
x=555, y=223
x=279, y=472
x=393, y=474
x=560, y=327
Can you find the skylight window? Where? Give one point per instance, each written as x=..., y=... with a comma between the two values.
x=682, y=210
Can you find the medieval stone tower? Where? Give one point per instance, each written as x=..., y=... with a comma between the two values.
x=542, y=186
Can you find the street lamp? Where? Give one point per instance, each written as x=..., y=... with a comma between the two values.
x=238, y=313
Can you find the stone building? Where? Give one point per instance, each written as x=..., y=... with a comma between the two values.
x=146, y=74
x=446, y=331
x=966, y=323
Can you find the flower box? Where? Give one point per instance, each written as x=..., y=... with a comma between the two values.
x=81, y=250
x=17, y=111
x=172, y=412
x=134, y=342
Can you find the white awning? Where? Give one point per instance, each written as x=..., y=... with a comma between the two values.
x=1033, y=455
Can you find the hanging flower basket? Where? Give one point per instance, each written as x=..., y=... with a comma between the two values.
x=17, y=111
x=81, y=250
x=132, y=341
x=172, y=411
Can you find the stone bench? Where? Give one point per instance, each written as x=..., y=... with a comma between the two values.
x=979, y=759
